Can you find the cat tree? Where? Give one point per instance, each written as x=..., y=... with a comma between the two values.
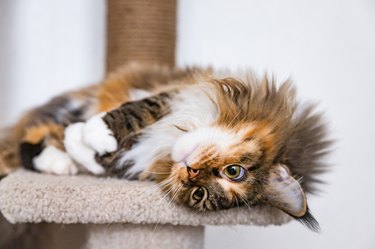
x=90, y=212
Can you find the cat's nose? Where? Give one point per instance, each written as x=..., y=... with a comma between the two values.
x=192, y=172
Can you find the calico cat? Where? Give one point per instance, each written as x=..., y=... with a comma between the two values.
x=210, y=142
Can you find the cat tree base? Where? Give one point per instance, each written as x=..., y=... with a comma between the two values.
x=124, y=236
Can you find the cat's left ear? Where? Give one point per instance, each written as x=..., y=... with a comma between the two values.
x=285, y=192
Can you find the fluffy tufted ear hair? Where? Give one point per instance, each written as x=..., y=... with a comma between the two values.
x=285, y=193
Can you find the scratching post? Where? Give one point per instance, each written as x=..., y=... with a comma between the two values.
x=141, y=30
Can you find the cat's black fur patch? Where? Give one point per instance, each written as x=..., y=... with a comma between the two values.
x=28, y=151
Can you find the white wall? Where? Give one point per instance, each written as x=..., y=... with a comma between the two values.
x=47, y=47
x=329, y=49
x=328, y=46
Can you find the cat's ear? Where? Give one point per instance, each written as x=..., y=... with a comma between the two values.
x=285, y=192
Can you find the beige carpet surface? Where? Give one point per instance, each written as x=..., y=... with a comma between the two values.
x=32, y=197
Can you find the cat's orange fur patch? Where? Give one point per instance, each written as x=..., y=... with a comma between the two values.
x=112, y=93
x=52, y=133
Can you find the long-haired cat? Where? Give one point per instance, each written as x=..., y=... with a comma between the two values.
x=211, y=142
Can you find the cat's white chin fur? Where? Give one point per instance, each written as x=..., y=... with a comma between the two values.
x=79, y=151
x=98, y=136
x=55, y=161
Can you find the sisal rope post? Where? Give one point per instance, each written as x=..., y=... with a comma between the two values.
x=140, y=30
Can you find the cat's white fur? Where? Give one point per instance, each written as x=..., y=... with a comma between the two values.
x=79, y=150
x=98, y=136
x=55, y=161
x=185, y=147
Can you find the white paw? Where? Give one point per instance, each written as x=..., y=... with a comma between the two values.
x=79, y=151
x=97, y=135
x=55, y=161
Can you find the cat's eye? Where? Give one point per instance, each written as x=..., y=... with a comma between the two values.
x=234, y=172
x=198, y=194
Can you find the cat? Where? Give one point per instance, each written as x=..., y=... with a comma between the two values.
x=211, y=142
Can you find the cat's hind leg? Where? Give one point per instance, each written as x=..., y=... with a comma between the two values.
x=42, y=149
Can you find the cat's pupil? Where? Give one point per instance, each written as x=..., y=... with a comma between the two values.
x=232, y=170
x=198, y=194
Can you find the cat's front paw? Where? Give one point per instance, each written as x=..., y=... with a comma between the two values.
x=78, y=150
x=54, y=161
x=98, y=136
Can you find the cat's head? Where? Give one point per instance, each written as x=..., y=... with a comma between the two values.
x=218, y=168
x=248, y=156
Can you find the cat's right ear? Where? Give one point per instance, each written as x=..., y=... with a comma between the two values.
x=285, y=193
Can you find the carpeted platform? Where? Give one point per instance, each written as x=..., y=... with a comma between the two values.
x=32, y=197
x=112, y=213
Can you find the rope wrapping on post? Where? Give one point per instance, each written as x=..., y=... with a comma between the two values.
x=141, y=30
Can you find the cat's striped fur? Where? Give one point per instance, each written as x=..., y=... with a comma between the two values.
x=189, y=130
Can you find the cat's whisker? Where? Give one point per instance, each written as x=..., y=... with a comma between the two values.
x=238, y=205
x=175, y=195
x=158, y=173
x=300, y=179
x=168, y=179
x=157, y=223
x=234, y=118
x=257, y=215
x=176, y=190
x=164, y=182
x=156, y=188
x=168, y=192
x=161, y=185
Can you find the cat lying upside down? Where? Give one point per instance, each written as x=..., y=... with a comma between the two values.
x=212, y=143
